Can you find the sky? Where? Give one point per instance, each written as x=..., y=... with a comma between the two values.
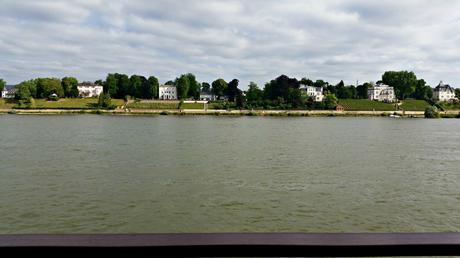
x=257, y=40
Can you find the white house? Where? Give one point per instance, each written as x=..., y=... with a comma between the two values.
x=167, y=92
x=207, y=95
x=89, y=90
x=444, y=93
x=314, y=92
x=381, y=92
x=8, y=93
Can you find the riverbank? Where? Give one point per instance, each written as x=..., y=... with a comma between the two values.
x=220, y=112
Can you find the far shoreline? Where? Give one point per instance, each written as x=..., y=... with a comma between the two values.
x=220, y=112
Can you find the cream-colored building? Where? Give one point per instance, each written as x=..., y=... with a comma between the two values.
x=167, y=92
x=316, y=93
x=444, y=93
x=381, y=92
x=89, y=90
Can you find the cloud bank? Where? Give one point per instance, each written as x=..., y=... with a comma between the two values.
x=249, y=40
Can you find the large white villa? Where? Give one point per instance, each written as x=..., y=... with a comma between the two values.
x=444, y=93
x=89, y=90
x=314, y=92
x=381, y=92
x=167, y=92
x=8, y=93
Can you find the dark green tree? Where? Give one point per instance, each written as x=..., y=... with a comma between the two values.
x=110, y=85
x=254, y=94
x=206, y=87
x=457, y=93
x=48, y=86
x=232, y=90
x=2, y=84
x=219, y=87
x=422, y=91
x=135, y=85
x=105, y=101
x=361, y=90
x=404, y=82
x=70, y=84
x=330, y=101
x=150, y=88
x=306, y=82
x=183, y=85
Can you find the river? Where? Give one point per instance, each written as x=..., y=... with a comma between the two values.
x=142, y=174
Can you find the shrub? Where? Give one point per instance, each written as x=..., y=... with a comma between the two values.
x=431, y=112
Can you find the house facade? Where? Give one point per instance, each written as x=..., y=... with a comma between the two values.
x=444, y=93
x=207, y=96
x=167, y=92
x=381, y=92
x=8, y=92
x=89, y=90
x=316, y=93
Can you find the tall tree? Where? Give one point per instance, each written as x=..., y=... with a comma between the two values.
x=183, y=86
x=422, y=91
x=361, y=90
x=48, y=86
x=232, y=90
x=219, y=87
x=457, y=92
x=123, y=85
x=205, y=87
x=283, y=89
x=135, y=84
x=404, y=82
x=110, y=85
x=150, y=89
x=2, y=84
x=70, y=84
x=306, y=81
x=254, y=94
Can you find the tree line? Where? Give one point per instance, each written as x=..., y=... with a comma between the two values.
x=282, y=92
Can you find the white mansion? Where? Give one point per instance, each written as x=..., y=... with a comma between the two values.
x=316, y=93
x=167, y=92
x=89, y=90
x=381, y=92
x=444, y=93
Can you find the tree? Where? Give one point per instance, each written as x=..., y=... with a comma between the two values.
x=170, y=83
x=422, y=91
x=254, y=94
x=2, y=84
x=110, y=85
x=285, y=91
x=219, y=87
x=232, y=90
x=457, y=92
x=361, y=90
x=183, y=85
x=341, y=91
x=99, y=82
x=135, y=84
x=70, y=86
x=330, y=101
x=240, y=100
x=104, y=101
x=194, y=87
x=403, y=82
x=123, y=85
x=150, y=88
x=306, y=82
x=48, y=86
x=205, y=87
x=431, y=112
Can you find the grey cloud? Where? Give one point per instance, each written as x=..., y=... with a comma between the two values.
x=250, y=40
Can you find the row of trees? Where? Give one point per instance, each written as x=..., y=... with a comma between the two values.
x=120, y=85
x=44, y=87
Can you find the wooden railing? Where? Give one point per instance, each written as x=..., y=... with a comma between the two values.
x=233, y=244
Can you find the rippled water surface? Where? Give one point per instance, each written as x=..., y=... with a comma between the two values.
x=93, y=174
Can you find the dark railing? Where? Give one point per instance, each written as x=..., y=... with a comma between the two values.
x=233, y=244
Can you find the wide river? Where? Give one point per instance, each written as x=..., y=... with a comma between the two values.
x=113, y=174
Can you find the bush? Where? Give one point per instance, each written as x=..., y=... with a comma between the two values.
x=105, y=101
x=431, y=112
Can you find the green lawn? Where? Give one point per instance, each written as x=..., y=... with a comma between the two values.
x=414, y=105
x=366, y=105
x=155, y=105
x=193, y=106
x=7, y=104
x=69, y=103
x=450, y=106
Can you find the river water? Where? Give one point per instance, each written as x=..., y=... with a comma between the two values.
x=113, y=174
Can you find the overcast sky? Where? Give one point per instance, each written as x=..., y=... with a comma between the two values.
x=253, y=40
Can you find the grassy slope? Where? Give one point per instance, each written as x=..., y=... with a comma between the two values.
x=414, y=105
x=365, y=105
x=6, y=104
x=69, y=103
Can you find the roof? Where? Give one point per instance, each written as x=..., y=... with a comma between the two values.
x=443, y=87
x=88, y=84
